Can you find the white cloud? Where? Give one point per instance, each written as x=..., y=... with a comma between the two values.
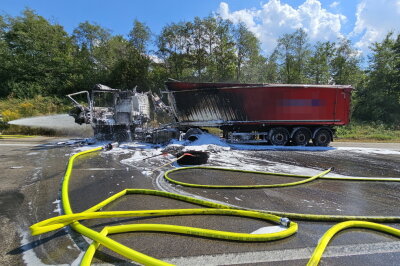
x=334, y=4
x=374, y=19
x=274, y=19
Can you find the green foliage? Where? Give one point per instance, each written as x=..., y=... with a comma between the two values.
x=38, y=105
x=368, y=132
x=90, y=36
x=294, y=51
x=320, y=63
x=139, y=36
x=38, y=57
x=248, y=60
x=345, y=64
x=378, y=99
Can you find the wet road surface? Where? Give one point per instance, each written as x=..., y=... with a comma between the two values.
x=31, y=176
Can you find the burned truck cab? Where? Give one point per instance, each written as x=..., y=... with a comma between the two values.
x=113, y=114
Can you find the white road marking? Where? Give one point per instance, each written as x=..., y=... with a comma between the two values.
x=17, y=144
x=286, y=254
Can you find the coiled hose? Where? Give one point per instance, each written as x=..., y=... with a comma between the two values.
x=101, y=238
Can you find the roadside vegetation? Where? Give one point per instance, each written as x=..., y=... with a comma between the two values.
x=41, y=63
x=368, y=133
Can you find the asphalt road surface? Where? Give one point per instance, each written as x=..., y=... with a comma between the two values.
x=31, y=173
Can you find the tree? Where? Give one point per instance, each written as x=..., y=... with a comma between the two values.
x=4, y=55
x=223, y=59
x=200, y=51
x=89, y=36
x=173, y=47
x=128, y=67
x=379, y=99
x=396, y=49
x=293, y=52
x=271, y=72
x=39, y=57
x=345, y=64
x=319, y=67
x=248, y=53
x=90, y=40
x=139, y=36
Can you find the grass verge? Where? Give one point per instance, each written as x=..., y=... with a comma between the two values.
x=368, y=133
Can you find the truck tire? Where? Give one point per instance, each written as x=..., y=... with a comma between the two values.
x=301, y=137
x=279, y=136
x=322, y=138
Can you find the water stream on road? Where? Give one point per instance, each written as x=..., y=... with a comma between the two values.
x=61, y=123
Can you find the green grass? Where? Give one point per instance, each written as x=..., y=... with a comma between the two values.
x=368, y=132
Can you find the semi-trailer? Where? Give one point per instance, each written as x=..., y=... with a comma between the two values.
x=278, y=114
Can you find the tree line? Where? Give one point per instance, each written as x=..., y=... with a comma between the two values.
x=40, y=58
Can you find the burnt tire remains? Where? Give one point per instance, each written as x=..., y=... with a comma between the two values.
x=196, y=158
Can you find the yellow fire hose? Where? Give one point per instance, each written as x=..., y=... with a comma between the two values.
x=309, y=179
x=101, y=238
x=323, y=242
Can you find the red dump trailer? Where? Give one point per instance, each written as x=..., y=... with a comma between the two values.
x=278, y=114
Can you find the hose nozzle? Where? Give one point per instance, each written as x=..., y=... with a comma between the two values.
x=284, y=221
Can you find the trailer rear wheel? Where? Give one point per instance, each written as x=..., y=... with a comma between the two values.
x=322, y=138
x=301, y=137
x=279, y=136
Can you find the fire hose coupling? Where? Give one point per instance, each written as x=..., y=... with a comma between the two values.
x=110, y=146
x=284, y=221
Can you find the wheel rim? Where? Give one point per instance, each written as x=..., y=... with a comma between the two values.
x=279, y=138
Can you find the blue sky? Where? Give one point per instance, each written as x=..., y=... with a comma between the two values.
x=362, y=21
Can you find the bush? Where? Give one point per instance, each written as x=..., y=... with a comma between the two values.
x=9, y=115
x=368, y=132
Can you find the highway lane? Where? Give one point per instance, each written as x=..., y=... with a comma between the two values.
x=31, y=175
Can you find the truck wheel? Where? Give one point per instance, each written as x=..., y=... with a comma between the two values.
x=322, y=138
x=279, y=136
x=301, y=137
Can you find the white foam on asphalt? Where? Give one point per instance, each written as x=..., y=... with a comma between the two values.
x=269, y=229
x=369, y=150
